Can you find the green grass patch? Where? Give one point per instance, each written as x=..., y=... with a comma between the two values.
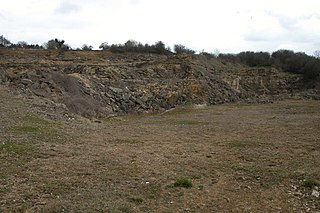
x=27, y=129
x=34, y=119
x=17, y=148
x=310, y=183
x=183, y=182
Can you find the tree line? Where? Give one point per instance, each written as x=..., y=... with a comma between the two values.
x=129, y=46
x=286, y=60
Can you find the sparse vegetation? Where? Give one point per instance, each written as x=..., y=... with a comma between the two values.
x=310, y=183
x=241, y=144
x=183, y=182
x=99, y=170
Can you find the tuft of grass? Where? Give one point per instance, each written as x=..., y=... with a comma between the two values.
x=137, y=200
x=310, y=183
x=4, y=189
x=183, y=182
x=127, y=141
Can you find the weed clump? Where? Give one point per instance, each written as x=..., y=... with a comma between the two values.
x=310, y=183
x=183, y=182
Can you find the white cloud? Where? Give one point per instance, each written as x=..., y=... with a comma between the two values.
x=228, y=25
x=66, y=7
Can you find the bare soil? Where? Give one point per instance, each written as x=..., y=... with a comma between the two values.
x=238, y=158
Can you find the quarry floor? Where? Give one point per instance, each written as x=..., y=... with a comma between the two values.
x=222, y=158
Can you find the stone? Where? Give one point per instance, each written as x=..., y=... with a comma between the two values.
x=26, y=81
x=315, y=193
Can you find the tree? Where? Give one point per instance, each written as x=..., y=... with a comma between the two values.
x=311, y=70
x=316, y=53
x=86, y=47
x=255, y=59
x=104, y=46
x=179, y=49
x=22, y=44
x=4, y=42
x=131, y=44
x=56, y=44
x=161, y=48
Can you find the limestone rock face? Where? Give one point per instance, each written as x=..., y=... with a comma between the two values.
x=99, y=83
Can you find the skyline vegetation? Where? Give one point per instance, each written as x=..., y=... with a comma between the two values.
x=286, y=60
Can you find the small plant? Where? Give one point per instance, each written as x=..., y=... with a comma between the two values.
x=137, y=200
x=127, y=141
x=241, y=144
x=183, y=182
x=310, y=183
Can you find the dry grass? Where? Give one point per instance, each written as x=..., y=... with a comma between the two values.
x=238, y=158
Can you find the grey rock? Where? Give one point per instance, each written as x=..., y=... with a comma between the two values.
x=315, y=193
x=26, y=81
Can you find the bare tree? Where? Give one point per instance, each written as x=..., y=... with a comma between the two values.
x=316, y=53
x=22, y=44
x=104, y=46
x=4, y=42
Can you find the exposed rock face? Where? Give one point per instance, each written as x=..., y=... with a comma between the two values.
x=96, y=83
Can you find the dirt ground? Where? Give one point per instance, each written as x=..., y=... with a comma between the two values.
x=223, y=158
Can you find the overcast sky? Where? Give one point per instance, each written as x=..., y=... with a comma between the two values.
x=227, y=25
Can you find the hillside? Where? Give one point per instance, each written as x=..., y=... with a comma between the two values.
x=100, y=84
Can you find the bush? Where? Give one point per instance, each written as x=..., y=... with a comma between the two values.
x=179, y=49
x=4, y=42
x=56, y=44
x=87, y=47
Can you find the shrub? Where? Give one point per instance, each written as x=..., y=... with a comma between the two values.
x=179, y=49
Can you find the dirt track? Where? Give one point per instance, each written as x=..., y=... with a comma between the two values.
x=239, y=158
